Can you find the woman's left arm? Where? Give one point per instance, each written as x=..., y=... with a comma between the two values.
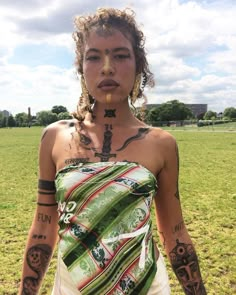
x=172, y=231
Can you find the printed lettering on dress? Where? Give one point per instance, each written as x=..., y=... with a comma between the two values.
x=66, y=211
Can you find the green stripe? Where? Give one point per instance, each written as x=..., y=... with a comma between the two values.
x=95, y=183
x=103, y=282
x=89, y=240
x=146, y=281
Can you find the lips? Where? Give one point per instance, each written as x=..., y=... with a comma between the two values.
x=108, y=84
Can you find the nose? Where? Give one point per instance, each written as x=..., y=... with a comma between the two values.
x=108, y=68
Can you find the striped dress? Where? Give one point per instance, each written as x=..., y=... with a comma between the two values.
x=105, y=228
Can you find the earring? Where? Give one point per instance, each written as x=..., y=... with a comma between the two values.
x=85, y=93
x=136, y=88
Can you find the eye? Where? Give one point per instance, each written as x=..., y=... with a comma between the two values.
x=93, y=58
x=121, y=56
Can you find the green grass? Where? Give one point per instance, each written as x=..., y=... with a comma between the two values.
x=208, y=194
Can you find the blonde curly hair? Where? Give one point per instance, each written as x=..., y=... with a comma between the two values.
x=105, y=20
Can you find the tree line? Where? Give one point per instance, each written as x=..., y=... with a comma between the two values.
x=168, y=112
x=42, y=118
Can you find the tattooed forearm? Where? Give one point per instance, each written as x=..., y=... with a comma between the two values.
x=177, y=182
x=140, y=135
x=37, y=259
x=185, y=265
x=44, y=218
x=46, y=185
x=178, y=227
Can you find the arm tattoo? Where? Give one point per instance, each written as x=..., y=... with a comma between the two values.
x=46, y=204
x=178, y=227
x=44, y=134
x=46, y=185
x=46, y=193
x=44, y=218
x=40, y=237
x=185, y=265
x=110, y=113
x=37, y=258
x=177, y=182
x=140, y=135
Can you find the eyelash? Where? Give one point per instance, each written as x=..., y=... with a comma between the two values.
x=117, y=57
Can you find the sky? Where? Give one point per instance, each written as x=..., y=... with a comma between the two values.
x=191, y=49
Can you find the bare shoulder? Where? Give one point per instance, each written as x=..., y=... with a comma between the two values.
x=53, y=129
x=163, y=138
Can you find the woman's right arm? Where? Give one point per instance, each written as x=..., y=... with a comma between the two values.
x=42, y=236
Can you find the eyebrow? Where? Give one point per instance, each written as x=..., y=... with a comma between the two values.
x=113, y=50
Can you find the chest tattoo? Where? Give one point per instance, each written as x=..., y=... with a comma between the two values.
x=105, y=155
x=142, y=132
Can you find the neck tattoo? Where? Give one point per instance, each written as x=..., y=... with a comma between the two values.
x=111, y=113
x=106, y=148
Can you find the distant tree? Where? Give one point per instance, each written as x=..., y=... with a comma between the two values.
x=59, y=109
x=64, y=116
x=152, y=116
x=210, y=115
x=11, y=121
x=46, y=117
x=4, y=122
x=21, y=119
x=173, y=110
x=200, y=116
x=230, y=113
x=1, y=118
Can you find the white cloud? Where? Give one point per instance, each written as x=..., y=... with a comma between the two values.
x=40, y=88
x=191, y=48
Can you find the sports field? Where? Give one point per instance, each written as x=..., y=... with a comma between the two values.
x=208, y=195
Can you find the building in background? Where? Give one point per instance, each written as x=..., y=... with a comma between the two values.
x=196, y=108
x=5, y=113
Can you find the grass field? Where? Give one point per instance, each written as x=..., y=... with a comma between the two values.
x=208, y=194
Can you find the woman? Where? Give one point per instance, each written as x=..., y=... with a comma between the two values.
x=109, y=166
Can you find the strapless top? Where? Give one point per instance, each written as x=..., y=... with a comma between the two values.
x=105, y=226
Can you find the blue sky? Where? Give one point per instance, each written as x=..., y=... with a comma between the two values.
x=191, y=48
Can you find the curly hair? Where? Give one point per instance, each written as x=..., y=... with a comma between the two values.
x=105, y=20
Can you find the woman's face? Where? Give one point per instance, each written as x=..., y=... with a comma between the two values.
x=109, y=66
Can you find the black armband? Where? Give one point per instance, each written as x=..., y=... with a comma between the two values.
x=46, y=193
x=46, y=205
x=46, y=185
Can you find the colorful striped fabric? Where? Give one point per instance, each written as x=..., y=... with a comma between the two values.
x=105, y=226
